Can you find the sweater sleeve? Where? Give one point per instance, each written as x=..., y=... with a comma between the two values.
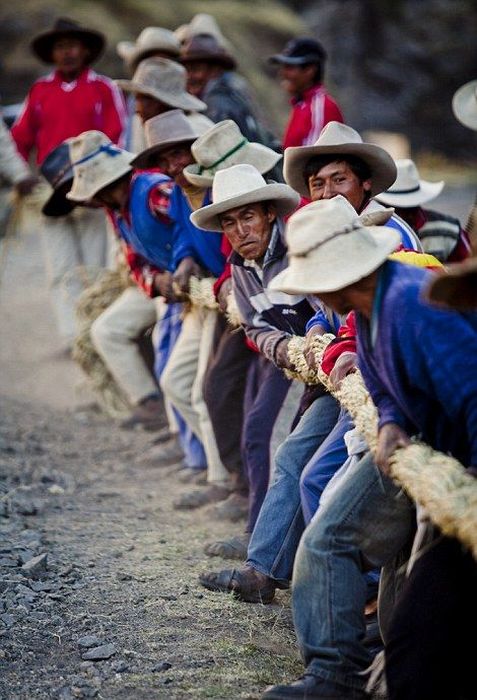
x=23, y=130
x=113, y=111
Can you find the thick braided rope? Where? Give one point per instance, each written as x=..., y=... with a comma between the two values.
x=436, y=481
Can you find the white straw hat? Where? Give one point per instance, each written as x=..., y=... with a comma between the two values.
x=168, y=129
x=330, y=248
x=464, y=104
x=222, y=146
x=343, y=140
x=409, y=190
x=165, y=80
x=97, y=163
x=239, y=185
x=149, y=41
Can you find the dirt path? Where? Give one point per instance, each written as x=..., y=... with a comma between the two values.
x=121, y=567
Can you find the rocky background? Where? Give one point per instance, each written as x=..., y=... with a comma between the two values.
x=393, y=64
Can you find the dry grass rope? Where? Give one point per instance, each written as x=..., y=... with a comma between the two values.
x=434, y=480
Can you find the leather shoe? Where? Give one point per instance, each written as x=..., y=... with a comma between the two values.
x=310, y=687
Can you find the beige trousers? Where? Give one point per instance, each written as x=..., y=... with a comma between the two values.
x=70, y=244
x=182, y=382
x=113, y=334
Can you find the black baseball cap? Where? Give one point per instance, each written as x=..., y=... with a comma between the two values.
x=299, y=52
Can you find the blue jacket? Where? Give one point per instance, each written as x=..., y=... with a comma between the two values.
x=189, y=241
x=422, y=370
x=147, y=234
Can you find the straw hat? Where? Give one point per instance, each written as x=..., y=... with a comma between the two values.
x=56, y=168
x=239, y=185
x=329, y=248
x=205, y=47
x=409, y=190
x=168, y=129
x=97, y=163
x=165, y=80
x=464, y=104
x=149, y=41
x=222, y=146
x=202, y=23
x=42, y=44
x=342, y=140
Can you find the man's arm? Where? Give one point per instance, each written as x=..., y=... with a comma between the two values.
x=12, y=166
x=113, y=110
x=23, y=130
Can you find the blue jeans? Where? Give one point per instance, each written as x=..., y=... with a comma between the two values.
x=280, y=523
x=363, y=521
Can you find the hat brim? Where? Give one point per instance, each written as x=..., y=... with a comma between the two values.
x=464, y=105
x=282, y=196
x=42, y=45
x=383, y=167
x=143, y=159
x=426, y=192
x=184, y=101
x=457, y=289
x=57, y=204
x=226, y=61
x=261, y=157
x=294, y=60
x=332, y=272
x=85, y=192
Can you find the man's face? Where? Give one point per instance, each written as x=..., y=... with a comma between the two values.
x=249, y=229
x=69, y=55
x=172, y=162
x=338, y=178
x=358, y=296
x=115, y=196
x=148, y=107
x=198, y=75
x=340, y=301
x=296, y=79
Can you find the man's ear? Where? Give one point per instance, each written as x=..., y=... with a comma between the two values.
x=271, y=213
x=367, y=184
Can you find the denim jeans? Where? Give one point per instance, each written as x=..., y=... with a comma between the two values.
x=280, y=523
x=363, y=521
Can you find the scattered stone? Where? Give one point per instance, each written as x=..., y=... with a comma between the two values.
x=123, y=576
x=105, y=651
x=9, y=561
x=119, y=666
x=90, y=640
x=25, y=507
x=161, y=666
x=42, y=586
x=56, y=490
x=8, y=620
x=36, y=567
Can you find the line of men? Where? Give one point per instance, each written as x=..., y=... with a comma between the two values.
x=321, y=252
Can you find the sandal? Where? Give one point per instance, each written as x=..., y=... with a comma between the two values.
x=233, y=548
x=242, y=583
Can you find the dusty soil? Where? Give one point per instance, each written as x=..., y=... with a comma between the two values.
x=121, y=564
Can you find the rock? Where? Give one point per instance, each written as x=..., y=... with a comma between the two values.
x=8, y=620
x=90, y=640
x=105, y=651
x=161, y=666
x=36, y=566
x=119, y=666
x=9, y=561
x=26, y=507
x=123, y=576
x=56, y=490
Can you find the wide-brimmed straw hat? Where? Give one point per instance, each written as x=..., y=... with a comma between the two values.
x=457, y=289
x=239, y=185
x=42, y=44
x=97, y=163
x=56, y=168
x=339, y=139
x=409, y=190
x=464, y=104
x=222, y=146
x=150, y=41
x=165, y=80
x=168, y=129
x=202, y=23
x=205, y=47
x=329, y=248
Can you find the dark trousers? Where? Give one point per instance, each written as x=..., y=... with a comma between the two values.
x=266, y=391
x=428, y=652
x=224, y=392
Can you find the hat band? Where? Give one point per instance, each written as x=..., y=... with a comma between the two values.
x=60, y=175
x=108, y=148
x=355, y=226
x=412, y=189
x=233, y=150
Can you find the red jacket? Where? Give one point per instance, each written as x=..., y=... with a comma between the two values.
x=310, y=113
x=55, y=111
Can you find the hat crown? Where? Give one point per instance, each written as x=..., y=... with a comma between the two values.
x=64, y=24
x=157, y=38
x=162, y=74
x=205, y=47
x=87, y=143
x=407, y=179
x=173, y=126
x=217, y=142
x=316, y=222
x=303, y=46
x=57, y=165
x=236, y=180
x=337, y=134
